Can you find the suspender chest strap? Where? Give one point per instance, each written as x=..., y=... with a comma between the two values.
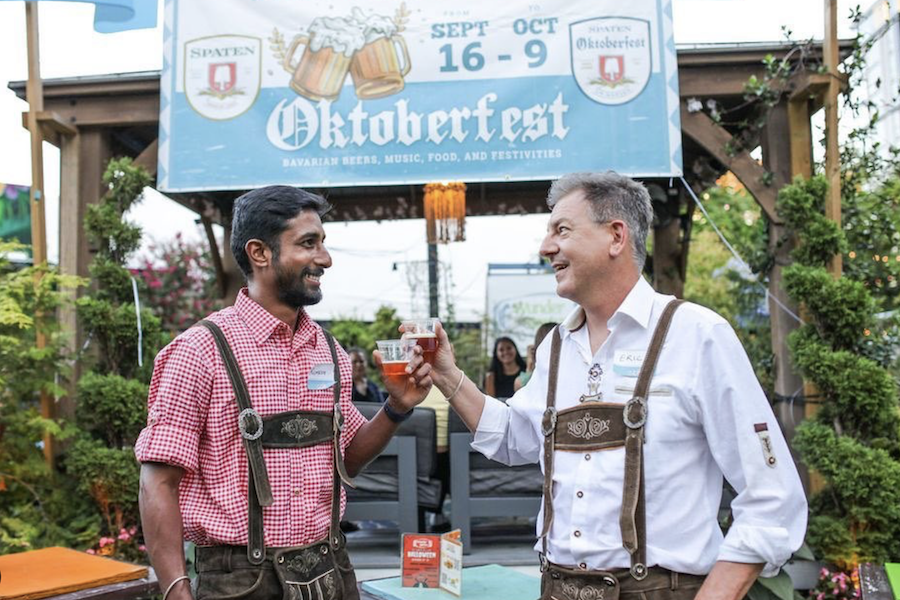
x=582, y=428
x=292, y=429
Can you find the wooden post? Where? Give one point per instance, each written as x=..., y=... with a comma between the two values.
x=832, y=152
x=35, y=95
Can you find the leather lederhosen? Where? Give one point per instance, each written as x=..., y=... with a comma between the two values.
x=591, y=426
x=311, y=564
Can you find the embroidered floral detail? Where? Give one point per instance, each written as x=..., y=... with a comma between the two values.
x=588, y=592
x=588, y=427
x=304, y=563
x=329, y=585
x=299, y=427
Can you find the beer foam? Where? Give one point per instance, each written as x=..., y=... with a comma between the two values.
x=339, y=34
x=374, y=26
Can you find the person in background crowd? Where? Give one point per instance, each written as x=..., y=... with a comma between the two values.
x=539, y=336
x=506, y=365
x=364, y=389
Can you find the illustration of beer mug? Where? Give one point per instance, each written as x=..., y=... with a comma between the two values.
x=379, y=67
x=319, y=74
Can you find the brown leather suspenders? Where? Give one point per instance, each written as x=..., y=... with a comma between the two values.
x=282, y=430
x=581, y=429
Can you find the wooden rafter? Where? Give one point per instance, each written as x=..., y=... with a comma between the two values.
x=715, y=139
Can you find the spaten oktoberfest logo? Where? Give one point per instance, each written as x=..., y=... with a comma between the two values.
x=222, y=74
x=611, y=58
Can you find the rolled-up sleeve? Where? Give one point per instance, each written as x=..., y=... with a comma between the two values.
x=179, y=396
x=770, y=510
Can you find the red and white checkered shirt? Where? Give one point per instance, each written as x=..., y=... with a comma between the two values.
x=192, y=423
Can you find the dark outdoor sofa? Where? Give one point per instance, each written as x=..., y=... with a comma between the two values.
x=401, y=480
x=480, y=487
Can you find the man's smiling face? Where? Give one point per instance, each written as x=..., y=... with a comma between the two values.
x=301, y=261
x=577, y=247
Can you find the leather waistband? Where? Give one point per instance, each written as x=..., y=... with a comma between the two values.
x=230, y=558
x=296, y=429
x=657, y=578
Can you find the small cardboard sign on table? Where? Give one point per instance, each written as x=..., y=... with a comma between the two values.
x=56, y=571
x=433, y=561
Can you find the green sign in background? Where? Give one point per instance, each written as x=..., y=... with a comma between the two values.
x=15, y=213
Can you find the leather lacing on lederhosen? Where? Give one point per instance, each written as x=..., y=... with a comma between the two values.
x=592, y=426
x=306, y=568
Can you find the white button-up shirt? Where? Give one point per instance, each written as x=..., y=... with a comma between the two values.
x=705, y=410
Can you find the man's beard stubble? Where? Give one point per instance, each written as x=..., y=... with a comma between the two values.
x=292, y=289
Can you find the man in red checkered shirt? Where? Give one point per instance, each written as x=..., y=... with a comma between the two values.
x=251, y=427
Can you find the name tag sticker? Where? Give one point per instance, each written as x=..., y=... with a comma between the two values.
x=321, y=377
x=627, y=363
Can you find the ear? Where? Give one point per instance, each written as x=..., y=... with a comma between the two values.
x=259, y=254
x=620, y=238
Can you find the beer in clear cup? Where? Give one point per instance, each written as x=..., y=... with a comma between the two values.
x=395, y=355
x=423, y=332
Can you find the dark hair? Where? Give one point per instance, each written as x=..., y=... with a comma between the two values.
x=541, y=333
x=496, y=366
x=262, y=214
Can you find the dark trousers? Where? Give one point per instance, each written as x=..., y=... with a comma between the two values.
x=559, y=583
x=224, y=573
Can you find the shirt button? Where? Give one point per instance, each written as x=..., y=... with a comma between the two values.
x=587, y=457
x=297, y=492
x=582, y=565
x=577, y=533
x=580, y=494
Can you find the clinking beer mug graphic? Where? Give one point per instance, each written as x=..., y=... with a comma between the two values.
x=368, y=47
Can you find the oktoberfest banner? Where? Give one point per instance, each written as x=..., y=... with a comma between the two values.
x=258, y=92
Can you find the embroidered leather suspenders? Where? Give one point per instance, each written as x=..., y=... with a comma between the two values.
x=592, y=426
x=292, y=429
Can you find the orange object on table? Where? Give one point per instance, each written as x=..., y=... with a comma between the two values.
x=55, y=571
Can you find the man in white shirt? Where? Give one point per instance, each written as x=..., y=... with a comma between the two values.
x=703, y=419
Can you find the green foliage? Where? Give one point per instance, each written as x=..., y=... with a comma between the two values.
x=37, y=507
x=110, y=409
x=352, y=333
x=714, y=280
x=853, y=441
x=110, y=476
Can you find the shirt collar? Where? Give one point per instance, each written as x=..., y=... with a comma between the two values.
x=263, y=324
x=638, y=305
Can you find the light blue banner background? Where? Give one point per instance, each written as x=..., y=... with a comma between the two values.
x=640, y=137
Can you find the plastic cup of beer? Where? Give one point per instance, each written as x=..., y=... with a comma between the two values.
x=395, y=355
x=423, y=332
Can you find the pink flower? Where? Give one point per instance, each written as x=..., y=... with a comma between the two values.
x=124, y=536
x=106, y=541
x=91, y=551
x=142, y=548
x=133, y=530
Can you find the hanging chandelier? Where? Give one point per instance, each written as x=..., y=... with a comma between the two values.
x=445, y=212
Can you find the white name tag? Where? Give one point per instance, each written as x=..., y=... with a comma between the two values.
x=321, y=377
x=627, y=363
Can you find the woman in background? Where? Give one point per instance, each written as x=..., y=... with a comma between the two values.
x=506, y=365
x=539, y=336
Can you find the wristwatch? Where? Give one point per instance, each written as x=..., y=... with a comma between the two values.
x=392, y=414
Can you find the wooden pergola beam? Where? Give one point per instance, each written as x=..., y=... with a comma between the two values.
x=715, y=139
x=148, y=158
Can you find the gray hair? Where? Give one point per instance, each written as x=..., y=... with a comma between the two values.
x=611, y=197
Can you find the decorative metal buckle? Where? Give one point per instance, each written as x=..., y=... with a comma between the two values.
x=255, y=418
x=338, y=417
x=639, y=402
x=639, y=571
x=548, y=423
